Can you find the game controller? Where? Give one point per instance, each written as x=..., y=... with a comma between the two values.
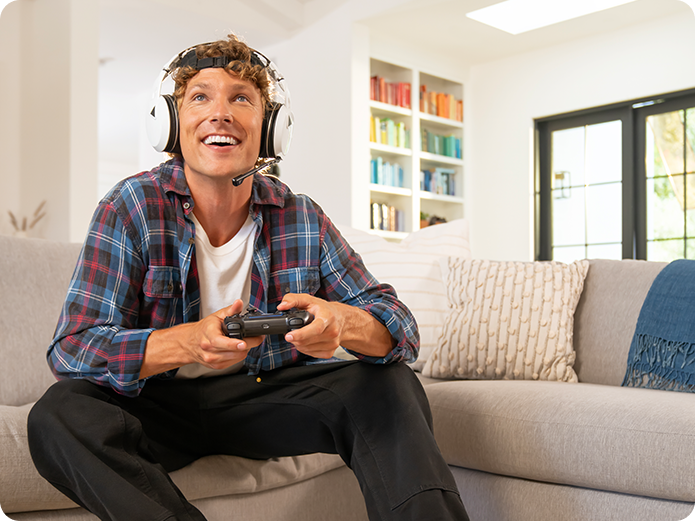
x=256, y=323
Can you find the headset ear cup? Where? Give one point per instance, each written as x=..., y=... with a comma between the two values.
x=276, y=132
x=172, y=145
x=162, y=125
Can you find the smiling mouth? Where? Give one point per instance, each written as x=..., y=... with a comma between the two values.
x=220, y=141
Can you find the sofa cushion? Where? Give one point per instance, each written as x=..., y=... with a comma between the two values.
x=628, y=440
x=34, y=278
x=23, y=489
x=508, y=320
x=412, y=268
x=606, y=316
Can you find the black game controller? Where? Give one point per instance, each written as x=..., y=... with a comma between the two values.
x=257, y=323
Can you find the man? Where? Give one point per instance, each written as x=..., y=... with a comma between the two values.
x=148, y=381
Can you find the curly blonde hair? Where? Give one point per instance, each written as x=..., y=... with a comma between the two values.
x=241, y=63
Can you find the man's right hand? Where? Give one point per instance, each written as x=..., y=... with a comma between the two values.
x=201, y=342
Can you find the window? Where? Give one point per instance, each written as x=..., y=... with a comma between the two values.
x=618, y=182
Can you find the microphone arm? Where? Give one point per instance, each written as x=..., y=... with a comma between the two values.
x=267, y=164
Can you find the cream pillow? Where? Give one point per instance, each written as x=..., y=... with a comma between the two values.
x=412, y=268
x=508, y=320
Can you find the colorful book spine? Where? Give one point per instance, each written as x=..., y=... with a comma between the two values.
x=387, y=174
x=388, y=132
x=449, y=146
x=387, y=218
x=440, y=104
x=393, y=93
x=438, y=181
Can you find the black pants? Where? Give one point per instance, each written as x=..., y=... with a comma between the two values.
x=112, y=454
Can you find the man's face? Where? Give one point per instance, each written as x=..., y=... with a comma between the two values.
x=220, y=117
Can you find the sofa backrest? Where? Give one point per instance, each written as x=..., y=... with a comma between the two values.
x=34, y=278
x=606, y=316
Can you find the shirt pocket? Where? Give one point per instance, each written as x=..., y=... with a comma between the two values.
x=162, y=282
x=294, y=280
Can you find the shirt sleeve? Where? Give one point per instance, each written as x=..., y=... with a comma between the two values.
x=345, y=278
x=97, y=336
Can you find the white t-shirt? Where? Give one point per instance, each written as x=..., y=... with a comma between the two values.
x=224, y=274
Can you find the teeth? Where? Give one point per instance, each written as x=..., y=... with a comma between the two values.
x=215, y=140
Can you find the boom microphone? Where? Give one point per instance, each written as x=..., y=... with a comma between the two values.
x=267, y=164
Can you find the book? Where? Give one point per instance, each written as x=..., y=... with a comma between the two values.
x=438, y=181
x=440, y=104
x=393, y=93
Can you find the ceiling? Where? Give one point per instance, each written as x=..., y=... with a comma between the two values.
x=444, y=27
x=152, y=28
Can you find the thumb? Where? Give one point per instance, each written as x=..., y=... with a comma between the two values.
x=235, y=308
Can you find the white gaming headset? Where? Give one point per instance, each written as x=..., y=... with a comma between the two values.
x=162, y=121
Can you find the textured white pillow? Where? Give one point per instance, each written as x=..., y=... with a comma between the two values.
x=412, y=268
x=508, y=320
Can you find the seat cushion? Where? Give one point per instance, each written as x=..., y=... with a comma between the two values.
x=23, y=489
x=633, y=441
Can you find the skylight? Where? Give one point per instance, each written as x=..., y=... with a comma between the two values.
x=519, y=16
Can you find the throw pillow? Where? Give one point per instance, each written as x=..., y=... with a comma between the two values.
x=508, y=320
x=412, y=268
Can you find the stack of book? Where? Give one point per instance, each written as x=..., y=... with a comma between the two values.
x=438, y=181
x=440, y=104
x=388, y=132
x=387, y=218
x=385, y=173
x=387, y=92
x=449, y=146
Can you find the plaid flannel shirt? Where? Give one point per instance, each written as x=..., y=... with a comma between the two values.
x=137, y=273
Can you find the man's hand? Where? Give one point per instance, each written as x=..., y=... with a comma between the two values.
x=334, y=325
x=200, y=342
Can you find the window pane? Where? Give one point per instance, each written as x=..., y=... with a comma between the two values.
x=665, y=251
x=667, y=129
x=604, y=251
x=690, y=249
x=604, y=162
x=604, y=213
x=568, y=217
x=568, y=157
x=664, y=213
x=569, y=253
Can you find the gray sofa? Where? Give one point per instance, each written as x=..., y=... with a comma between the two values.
x=519, y=450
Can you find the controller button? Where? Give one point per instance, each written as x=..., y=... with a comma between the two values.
x=233, y=326
x=295, y=322
x=266, y=325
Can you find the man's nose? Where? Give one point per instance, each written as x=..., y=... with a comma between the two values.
x=222, y=111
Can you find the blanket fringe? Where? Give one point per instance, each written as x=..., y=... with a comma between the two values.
x=659, y=364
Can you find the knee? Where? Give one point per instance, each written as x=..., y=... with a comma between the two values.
x=56, y=410
x=394, y=388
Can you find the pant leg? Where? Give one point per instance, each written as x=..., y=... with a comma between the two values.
x=376, y=417
x=86, y=443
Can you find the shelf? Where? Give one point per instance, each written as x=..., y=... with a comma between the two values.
x=436, y=158
x=388, y=109
x=388, y=149
x=393, y=190
x=441, y=122
x=440, y=197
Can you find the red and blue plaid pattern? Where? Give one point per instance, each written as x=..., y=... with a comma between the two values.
x=137, y=273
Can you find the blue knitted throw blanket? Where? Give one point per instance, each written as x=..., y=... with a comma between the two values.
x=662, y=353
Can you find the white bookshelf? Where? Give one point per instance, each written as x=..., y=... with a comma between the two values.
x=410, y=198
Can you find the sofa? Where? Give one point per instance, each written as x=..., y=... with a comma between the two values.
x=519, y=449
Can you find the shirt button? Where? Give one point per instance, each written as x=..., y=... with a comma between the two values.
x=170, y=287
x=191, y=241
x=186, y=205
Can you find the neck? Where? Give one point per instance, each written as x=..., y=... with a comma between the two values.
x=221, y=208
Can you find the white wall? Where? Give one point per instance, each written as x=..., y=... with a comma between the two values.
x=503, y=98
x=48, y=101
